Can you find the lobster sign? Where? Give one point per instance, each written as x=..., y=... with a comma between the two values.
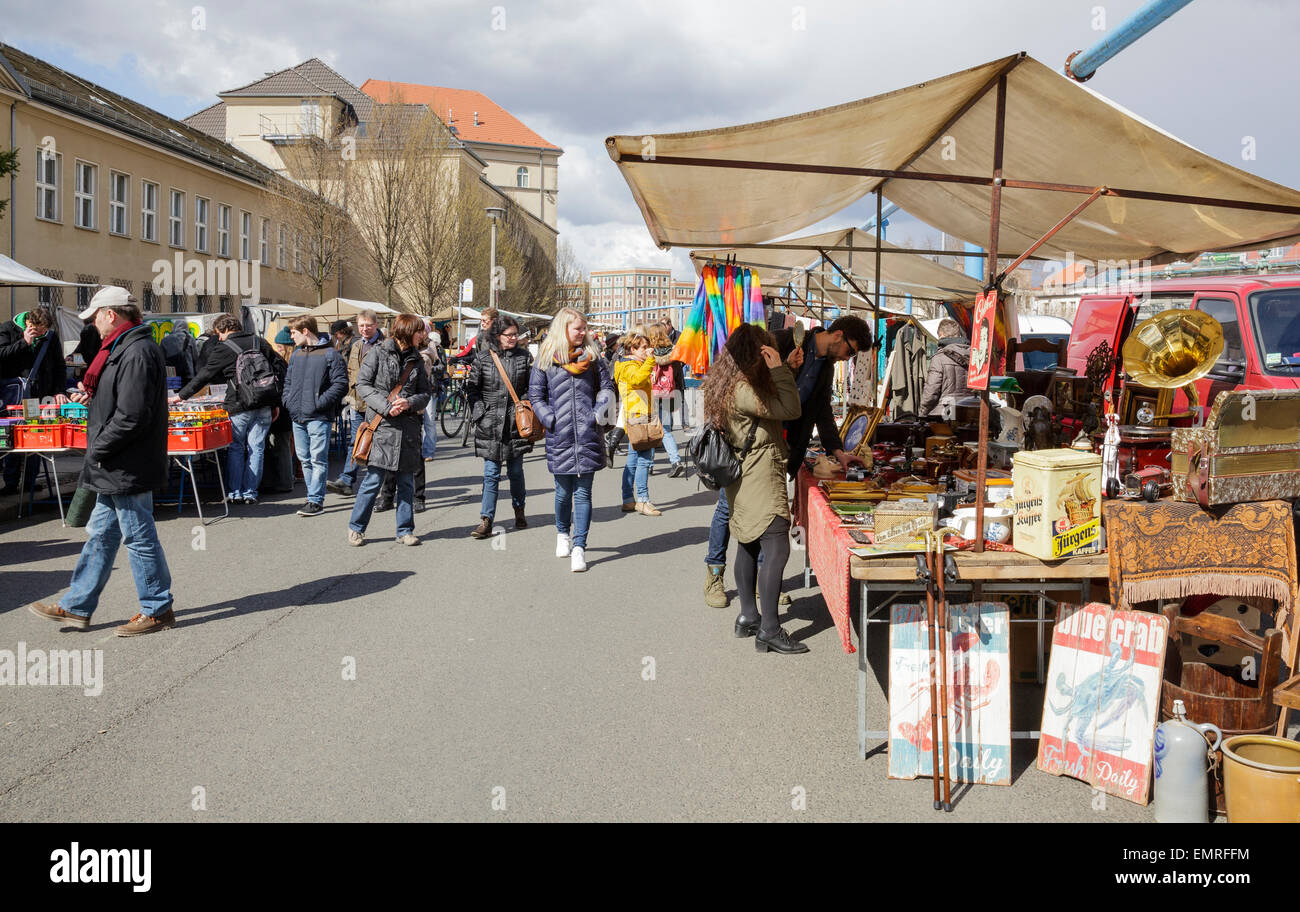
x=979, y=695
x=1103, y=691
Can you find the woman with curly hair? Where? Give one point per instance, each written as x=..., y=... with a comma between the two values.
x=748, y=393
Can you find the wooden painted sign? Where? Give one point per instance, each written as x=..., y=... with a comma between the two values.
x=979, y=695
x=981, y=340
x=1103, y=692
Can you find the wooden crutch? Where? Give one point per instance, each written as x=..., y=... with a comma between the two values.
x=941, y=620
x=928, y=562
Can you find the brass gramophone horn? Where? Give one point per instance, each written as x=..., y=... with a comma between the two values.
x=1174, y=349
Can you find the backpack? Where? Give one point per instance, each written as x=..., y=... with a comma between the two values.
x=256, y=382
x=716, y=464
x=662, y=384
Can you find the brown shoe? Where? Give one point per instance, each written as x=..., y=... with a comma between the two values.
x=646, y=508
x=484, y=529
x=629, y=507
x=55, y=613
x=520, y=521
x=143, y=623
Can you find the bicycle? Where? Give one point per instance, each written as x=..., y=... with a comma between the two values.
x=455, y=407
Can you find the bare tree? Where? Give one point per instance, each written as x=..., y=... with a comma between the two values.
x=385, y=177
x=573, y=284
x=313, y=204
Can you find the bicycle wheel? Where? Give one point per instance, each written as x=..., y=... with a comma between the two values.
x=453, y=414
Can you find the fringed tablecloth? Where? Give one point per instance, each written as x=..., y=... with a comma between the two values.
x=828, y=546
x=1171, y=550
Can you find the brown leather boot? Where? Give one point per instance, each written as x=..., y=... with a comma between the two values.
x=520, y=521
x=484, y=528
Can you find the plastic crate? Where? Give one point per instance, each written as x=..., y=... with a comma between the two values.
x=197, y=439
x=6, y=437
x=38, y=436
x=74, y=435
x=74, y=410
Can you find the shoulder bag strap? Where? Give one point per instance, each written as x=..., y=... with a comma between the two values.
x=501, y=367
x=36, y=365
x=401, y=382
x=749, y=441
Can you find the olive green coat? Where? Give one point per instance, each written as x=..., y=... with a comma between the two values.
x=760, y=494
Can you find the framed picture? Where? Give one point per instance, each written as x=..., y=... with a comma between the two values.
x=856, y=430
x=1141, y=405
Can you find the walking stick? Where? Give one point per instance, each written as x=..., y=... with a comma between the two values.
x=941, y=619
x=928, y=571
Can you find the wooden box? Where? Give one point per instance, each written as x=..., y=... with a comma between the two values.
x=902, y=520
x=1248, y=450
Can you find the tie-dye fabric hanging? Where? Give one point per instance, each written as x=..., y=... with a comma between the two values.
x=725, y=297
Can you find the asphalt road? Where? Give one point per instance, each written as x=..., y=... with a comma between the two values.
x=491, y=684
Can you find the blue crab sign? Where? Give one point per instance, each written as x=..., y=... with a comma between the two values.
x=1103, y=691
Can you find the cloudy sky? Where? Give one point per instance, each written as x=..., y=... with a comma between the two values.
x=577, y=71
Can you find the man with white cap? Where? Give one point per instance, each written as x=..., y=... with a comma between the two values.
x=126, y=458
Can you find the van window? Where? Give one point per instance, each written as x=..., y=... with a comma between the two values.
x=1276, y=317
x=1225, y=312
x=1150, y=306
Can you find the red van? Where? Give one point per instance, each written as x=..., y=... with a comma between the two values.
x=1260, y=315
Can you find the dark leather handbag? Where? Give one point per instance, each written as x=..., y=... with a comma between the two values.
x=526, y=422
x=366, y=433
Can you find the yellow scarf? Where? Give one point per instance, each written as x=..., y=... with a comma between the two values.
x=578, y=362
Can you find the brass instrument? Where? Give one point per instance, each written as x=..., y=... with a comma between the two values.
x=1174, y=349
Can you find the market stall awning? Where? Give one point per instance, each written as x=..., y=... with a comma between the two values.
x=338, y=308
x=15, y=274
x=901, y=274
x=1055, y=131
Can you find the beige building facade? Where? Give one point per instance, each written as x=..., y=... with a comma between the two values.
x=642, y=294
x=111, y=192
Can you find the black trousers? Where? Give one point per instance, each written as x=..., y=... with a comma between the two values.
x=774, y=545
x=389, y=490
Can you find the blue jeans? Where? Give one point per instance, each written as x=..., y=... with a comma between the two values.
x=719, y=532
x=666, y=410
x=429, y=442
x=247, y=446
x=119, y=518
x=312, y=441
x=371, y=482
x=491, y=480
x=670, y=442
x=573, y=506
x=638, y=470
x=349, y=474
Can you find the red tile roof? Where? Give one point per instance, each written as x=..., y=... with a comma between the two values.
x=495, y=123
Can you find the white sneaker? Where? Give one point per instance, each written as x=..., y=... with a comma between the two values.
x=578, y=560
x=562, y=545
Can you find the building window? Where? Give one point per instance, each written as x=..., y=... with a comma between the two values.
x=521, y=178
x=297, y=251
x=201, y=303
x=245, y=236
x=264, y=254
x=178, y=303
x=176, y=225
x=223, y=230
x=84, y=211
x=119, y=197
x=201, y=224
x=282, y=241
x=147, y=302
x=49, y=166
x=149, y=211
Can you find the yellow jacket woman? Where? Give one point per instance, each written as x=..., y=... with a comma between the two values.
x=632, y=374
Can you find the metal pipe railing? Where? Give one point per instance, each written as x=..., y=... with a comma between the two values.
x=1081, y=65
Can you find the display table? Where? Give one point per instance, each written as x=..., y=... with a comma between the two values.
x=979, y=576
x=185, y=462
x=47, y=454
x=826, y=551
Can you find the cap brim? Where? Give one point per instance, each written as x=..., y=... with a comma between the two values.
x=88, y=312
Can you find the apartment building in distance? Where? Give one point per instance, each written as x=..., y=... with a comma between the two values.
x=621, y=298
x=108, y=188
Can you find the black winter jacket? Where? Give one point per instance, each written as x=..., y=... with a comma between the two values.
x=817, y=410
x=17, y=358
x=396, y=446
x=126, y=428
x=315, y=383
x=218, y=366
x=495, y=435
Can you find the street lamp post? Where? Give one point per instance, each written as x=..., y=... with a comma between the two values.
x=494, y=213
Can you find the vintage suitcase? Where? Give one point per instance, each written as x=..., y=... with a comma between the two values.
x=1248, y=450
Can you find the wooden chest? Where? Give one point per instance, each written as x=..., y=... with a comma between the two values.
x=1248, y=450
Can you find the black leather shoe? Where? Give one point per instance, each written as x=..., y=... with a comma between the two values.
x=779, y=642
x=383, y=505
x=745, y=628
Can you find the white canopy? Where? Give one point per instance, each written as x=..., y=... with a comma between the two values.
x=901, y=273
x=13, y=273
x=338, y=308
x=1055, y=130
